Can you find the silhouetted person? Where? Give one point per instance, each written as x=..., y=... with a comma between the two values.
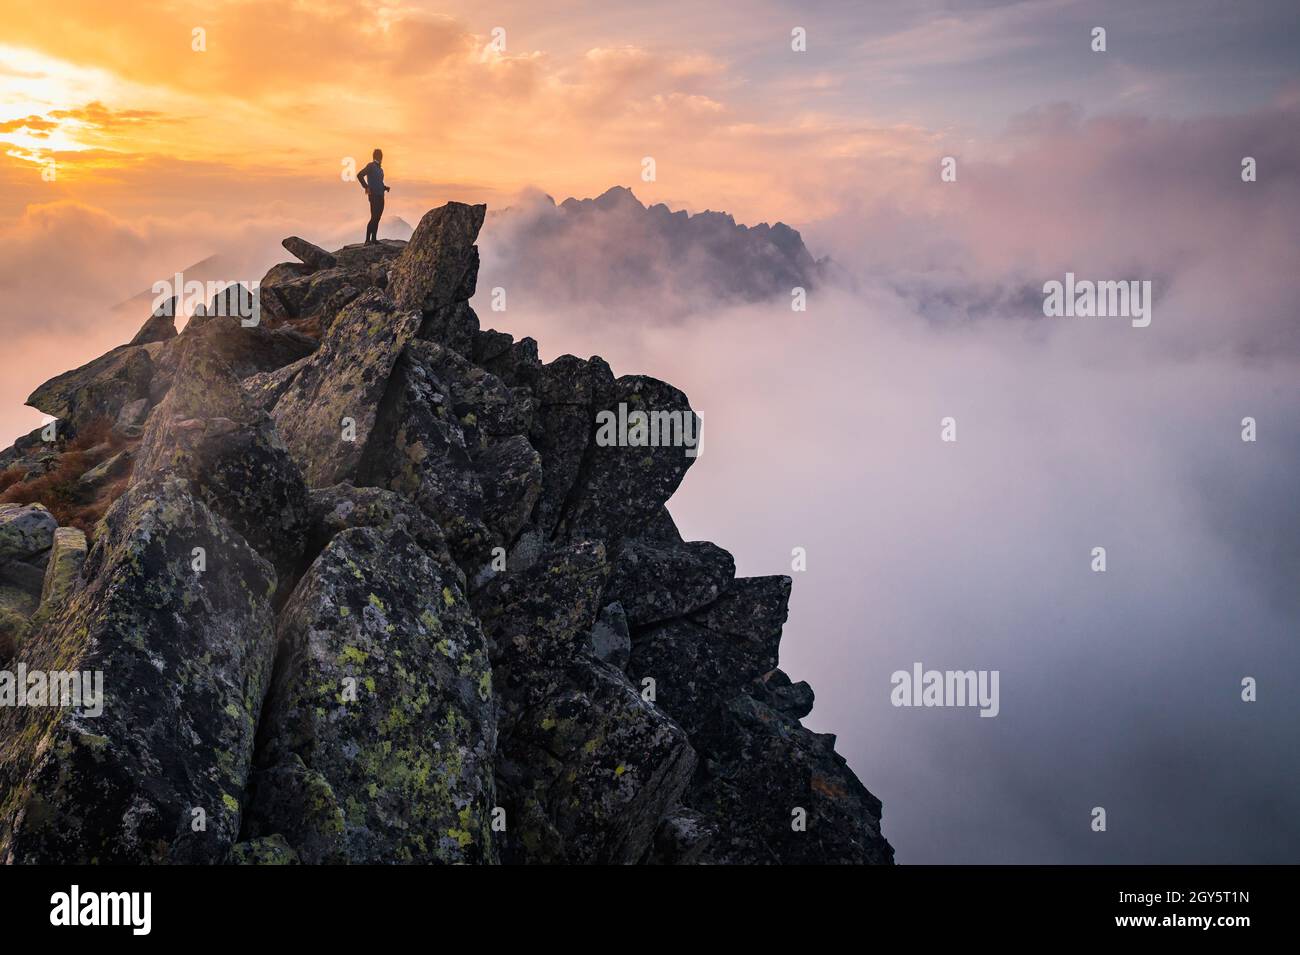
x=372, y=182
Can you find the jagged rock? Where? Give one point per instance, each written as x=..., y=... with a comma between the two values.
x=247, y=350
x=483, y=405
x=266, y=387
x=106, y=469
x=63, y=571
x=657, y=581
x=609, y=686
x=97, y=389
x=417, y=448
x=130, y=420
x=754, y=608
x=235, y=302
x=682, y=837
x=440, y=262
x=283, y=272
x=699, y=663
x=185, y=658
x=758, y=768
x=208, y=431
x=312, y=293
x=517, y=365
x=794, y=700
x=538, y=620
x=381, y=723
x=363, y=257
x=313, y=256
x=568, y=391
x=268, y=850
x=453, y=325
x=623, y=486
x=335, y=509
x=511, y=476
x=25, y=531
x=160, y=326
x=590, y=771
x=346, y=378
x=611, y=641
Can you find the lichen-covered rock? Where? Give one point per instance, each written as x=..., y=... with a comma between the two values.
x=268, y=850
x=788, y=698
x=624, y=484
x=335, y=509
x=568, y=392
x=63, y=571
x=185, y=656
x=328, y=411
x=381, y=726
x=25, y=531
x=538, y=622
x=97, y=389
x=491, y=643
x=682, y=837
x=440, y=262
x=587, y=773
x=760, y=773
x=657, y=581
x=313, y=256
x=266, y=387
x=611, y=641
x=701, y=662
x=247, y=350
x=160, y=326
x=208, y=431
x=416, y=447
x=130, y=420
x=510, y=473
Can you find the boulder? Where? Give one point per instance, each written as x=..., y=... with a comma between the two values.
x=63, y=571
x=97, y=389
x=440, y=262
x=624, y=485
x=656, y=580
x=758, y=768
x=26, y=530
x=160, y=326
x=208, y=431
x=381, y=726
x=328, y=411
x=185, y=657
x=417, y=448
x=700, y=662
x=313, y=256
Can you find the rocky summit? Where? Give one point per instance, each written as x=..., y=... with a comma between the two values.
x=360, y=584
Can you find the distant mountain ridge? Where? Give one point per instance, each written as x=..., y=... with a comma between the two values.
x=613, y=248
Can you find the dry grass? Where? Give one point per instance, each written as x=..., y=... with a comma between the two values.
x=71, y=504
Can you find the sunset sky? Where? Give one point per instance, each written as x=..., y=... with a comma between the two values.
x=1123, y=164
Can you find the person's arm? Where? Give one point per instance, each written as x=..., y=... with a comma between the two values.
x=361, y=178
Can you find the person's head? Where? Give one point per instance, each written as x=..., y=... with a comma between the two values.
x=378, y=155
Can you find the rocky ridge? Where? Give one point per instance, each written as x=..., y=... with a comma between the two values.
x=365, y=588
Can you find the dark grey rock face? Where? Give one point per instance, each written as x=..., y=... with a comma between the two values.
x=384, y=587
x=185, y=657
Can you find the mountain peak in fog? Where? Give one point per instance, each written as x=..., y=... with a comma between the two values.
x=615, y=250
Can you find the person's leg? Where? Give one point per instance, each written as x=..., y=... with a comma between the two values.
x=376, y=213
x=372, y=227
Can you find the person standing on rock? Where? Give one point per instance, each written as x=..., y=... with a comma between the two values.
x=372, y=182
